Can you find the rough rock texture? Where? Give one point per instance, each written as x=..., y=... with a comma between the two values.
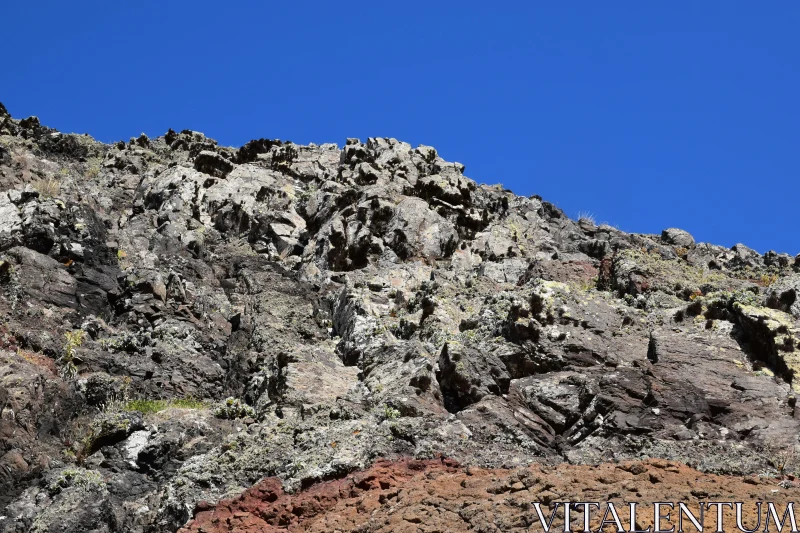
x=430, y=496
x=181, y=320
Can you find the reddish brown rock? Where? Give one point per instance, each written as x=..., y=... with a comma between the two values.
x=413, y=496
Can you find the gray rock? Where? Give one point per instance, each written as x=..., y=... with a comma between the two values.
x=784, y=295
x=212, y=163
x=417, y=231
x=355, y=303
x=677, y=237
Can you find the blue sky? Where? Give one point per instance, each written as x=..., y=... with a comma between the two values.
x=646, y=114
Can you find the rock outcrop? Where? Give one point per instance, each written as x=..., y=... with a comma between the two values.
x=183, y=320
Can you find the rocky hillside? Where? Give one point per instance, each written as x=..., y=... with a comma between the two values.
x=181, y=320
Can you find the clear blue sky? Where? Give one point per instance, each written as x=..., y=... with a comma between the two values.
x=646, y=114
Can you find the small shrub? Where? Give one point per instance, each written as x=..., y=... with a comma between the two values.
x=390, y=413
x=766, y=280
x=233, y=408
x=782, y=456
x=47, y=187
x=73, y=340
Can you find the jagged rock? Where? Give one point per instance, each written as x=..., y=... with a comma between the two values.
x=354, y=303
x=465, y=376
x=784, y=295
x=212, y=163
x=417, y=231
x=774, y=335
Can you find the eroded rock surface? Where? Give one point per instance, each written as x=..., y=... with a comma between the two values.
x=412, y=496
x=181, y=320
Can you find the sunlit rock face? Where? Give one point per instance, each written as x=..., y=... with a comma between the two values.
x=182, y=320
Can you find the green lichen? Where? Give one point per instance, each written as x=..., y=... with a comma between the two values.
x=76, y=477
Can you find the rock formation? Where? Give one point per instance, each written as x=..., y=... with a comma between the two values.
x=185, y=323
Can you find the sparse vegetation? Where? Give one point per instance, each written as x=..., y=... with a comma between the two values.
x=37, y=359
x=390, y=413
x=93, y=167
x=73, y=340
x=782, y=456
x=585, y=284
x=125, y=342
x=147, y=407
x=585, y=216
x=47, y=187
x=516, y=233
x=767, y=279
x=233, y=408
x=71, y=477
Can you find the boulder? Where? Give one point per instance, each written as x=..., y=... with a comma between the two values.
x=677, y=237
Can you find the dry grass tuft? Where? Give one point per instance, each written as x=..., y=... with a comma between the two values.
x=47, y=187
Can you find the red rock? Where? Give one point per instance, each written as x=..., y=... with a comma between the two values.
x=441, y=496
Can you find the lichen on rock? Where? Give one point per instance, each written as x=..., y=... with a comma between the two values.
x=264, y=322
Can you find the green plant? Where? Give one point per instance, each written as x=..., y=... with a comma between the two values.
x=390, y=413
x=233, y=408
x=73, y=340
x=155, y=406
